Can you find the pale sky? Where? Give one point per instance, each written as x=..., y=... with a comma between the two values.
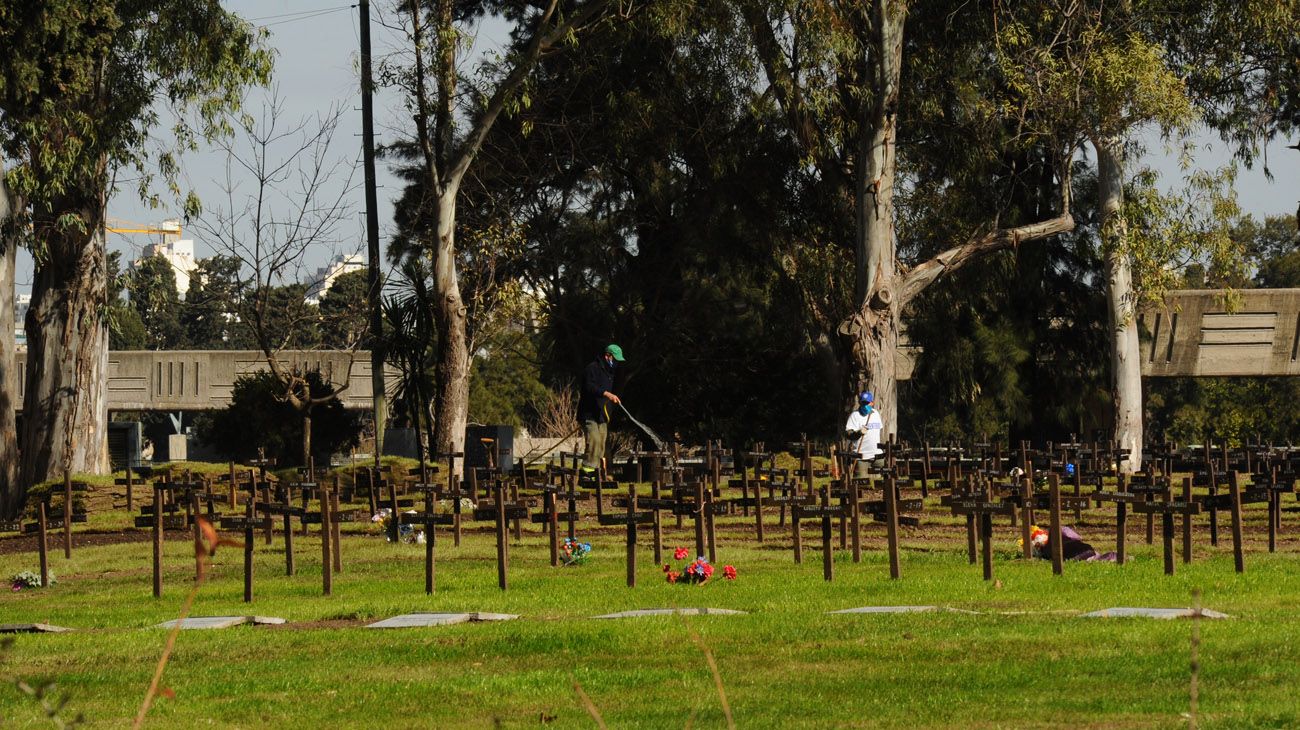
x=316, y=43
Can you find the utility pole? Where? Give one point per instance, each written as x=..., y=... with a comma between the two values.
x=379, y=397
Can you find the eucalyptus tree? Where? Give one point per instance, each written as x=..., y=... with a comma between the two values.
x=837, y=72
x=1115, y=69
x=9, y=237
x=82, y=87
x=449, y=128
x=655, y=199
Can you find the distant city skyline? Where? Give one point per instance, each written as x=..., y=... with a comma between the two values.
x=316, y=46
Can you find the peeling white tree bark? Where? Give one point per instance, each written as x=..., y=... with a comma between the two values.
x=1125, y=350
x=65, y=406
x=12, y=495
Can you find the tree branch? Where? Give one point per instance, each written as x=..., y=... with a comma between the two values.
x=541, y=41
x=789, y=95
x=916, y=280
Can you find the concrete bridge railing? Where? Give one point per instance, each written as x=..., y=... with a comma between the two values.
x=191, y=380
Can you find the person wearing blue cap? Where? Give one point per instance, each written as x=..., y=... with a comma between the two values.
x=863, y=428
x=593, y=404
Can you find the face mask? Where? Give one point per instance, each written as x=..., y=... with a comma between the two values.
x=865, y=409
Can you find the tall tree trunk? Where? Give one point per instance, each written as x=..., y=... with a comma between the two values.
x=12, y=495
x=873, y=330
x=306, y=439
x=65, y=408
x=1126, y=370
x=446, y=169
x=452, y=400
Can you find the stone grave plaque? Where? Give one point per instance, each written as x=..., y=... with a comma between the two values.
x=31, y=629
x=416, y=620
x=219, y=622
x=1163, y=613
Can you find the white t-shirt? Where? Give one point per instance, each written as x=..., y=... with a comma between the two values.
x=869, y=445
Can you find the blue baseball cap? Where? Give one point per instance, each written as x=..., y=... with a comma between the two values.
x=866, y=397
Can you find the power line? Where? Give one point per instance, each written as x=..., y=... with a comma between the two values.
x=305, y=17
x=313, y=16
x=300, y=12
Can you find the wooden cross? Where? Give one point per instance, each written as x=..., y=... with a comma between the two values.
x=826, y=512
x=550, y=516
x=1151, y=485
x=792, y=501
x=129, y=483
x=248, y=522
x=978, y=507
x=1167, y=508
x=1271, y=485
x=501, y=512
x=453, y=492
x=1121, y=499
x=964, y=492
x=630, y=519
x=429, y=518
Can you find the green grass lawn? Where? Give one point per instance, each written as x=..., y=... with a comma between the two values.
x=1024, y=660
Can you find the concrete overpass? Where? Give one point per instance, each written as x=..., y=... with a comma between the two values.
x=196, y=380
x=1196, y=333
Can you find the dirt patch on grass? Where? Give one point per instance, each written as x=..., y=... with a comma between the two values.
x=28, y=543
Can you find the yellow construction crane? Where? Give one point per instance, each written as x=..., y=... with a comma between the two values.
x=165, y=229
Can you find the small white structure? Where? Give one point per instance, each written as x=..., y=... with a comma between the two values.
x=178, y=251
x=22, y=302
x=325, y=275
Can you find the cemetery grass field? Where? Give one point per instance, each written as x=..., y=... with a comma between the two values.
x=1023, y=659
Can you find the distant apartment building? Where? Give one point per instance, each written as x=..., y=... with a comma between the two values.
x=325, y=275
x=179, y=253
x=22, y=302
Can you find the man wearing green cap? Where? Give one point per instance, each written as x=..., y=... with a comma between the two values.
x=593, y=404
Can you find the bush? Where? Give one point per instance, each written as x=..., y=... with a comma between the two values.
x=256, y=417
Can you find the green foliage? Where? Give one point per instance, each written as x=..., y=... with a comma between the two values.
x=1014, y=348
x=258, y=418
x=1240, y=60
x=209, y=313
x=289, y=321
x=505, y=381
x=1169, y=230
x=152, y=284
x=660, y=230
x=125, y=329
x=1280, y=272
x=1232, y=410
x=345, y=311
x=84, y=83
x=409, y=343
x=1273, y=247
x=1089, y=67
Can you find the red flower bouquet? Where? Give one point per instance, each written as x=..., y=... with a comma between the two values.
x=697, y=572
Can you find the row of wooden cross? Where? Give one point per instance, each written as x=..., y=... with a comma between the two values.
x=977, y=482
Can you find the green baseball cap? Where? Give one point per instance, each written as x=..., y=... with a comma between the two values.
x=616, y=351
